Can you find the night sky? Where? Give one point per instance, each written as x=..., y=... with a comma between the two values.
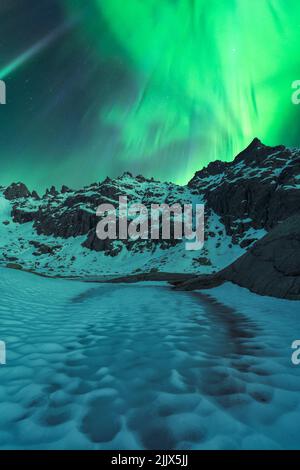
x=157, y=87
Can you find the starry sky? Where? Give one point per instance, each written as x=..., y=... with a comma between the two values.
x=155, y=87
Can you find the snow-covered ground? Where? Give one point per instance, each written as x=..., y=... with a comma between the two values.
x=100, y=366
x=70, y=259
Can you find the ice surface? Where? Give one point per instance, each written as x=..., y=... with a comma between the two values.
x=93, y=366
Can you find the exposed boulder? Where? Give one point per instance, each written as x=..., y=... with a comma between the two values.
x=270, y=267
x=16, y=266
x=16, y=191
x=43, y=249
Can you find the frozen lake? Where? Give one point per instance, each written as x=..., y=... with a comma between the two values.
x=99, y=366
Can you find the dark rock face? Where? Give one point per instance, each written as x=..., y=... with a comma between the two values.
x=110, y=247
x=51, y=192
x=42, y=248
x=65, y=224
x=257, y=193
x=261, y=185
x=35, y=195
x=65, y=189
x=22, y=216
x=270, y=267
x=70, y=213
x=16, y=191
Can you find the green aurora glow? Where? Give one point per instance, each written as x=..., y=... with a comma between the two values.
x=204, y=78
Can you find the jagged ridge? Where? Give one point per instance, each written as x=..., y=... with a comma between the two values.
x=244, y=199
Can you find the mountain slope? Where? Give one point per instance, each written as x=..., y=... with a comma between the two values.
x=270, y=267
x=258, y=189
x=56, y=234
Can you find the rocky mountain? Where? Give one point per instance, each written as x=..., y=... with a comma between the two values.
x=55, y=234
x=270, y=267
x=258, y=189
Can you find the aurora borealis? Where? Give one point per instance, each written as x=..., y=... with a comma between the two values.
x=158, y=87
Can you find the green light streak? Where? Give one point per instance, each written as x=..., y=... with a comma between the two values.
x=23, y=58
